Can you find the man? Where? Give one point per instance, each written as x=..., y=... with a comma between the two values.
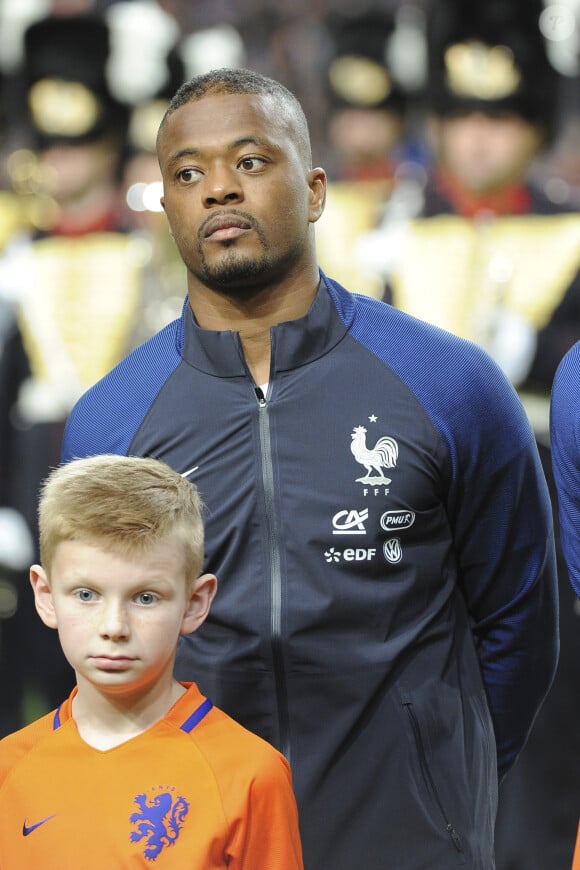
x=387, y=616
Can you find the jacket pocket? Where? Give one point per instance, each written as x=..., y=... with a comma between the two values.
x=430, y=783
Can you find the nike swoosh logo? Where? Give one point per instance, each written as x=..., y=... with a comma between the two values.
x=28, y=829
x=189, y=471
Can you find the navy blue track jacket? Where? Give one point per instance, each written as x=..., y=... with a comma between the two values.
x=381, y=529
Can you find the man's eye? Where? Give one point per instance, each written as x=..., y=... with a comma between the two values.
x=250, y=163
x=187, y=175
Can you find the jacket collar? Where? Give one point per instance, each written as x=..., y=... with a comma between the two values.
x=294, y=343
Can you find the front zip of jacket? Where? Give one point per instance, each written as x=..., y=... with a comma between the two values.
x=276, y=580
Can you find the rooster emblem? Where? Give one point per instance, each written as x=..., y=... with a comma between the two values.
x=383, y=455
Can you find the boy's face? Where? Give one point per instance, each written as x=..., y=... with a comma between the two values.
x=119, y=616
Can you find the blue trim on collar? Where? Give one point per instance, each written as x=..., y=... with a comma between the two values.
x=197, y=716
x=56, y=723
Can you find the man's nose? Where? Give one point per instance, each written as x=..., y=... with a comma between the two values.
x=222, y=184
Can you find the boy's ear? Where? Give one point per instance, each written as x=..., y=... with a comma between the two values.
x=42, y=596
x=202, y=594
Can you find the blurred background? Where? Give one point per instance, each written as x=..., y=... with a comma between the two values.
x=450, y=133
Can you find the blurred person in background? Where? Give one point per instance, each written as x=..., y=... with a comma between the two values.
x=493, y=101
x=15, y=539
x=73, y=279
x=369, y=94
x=492, y=258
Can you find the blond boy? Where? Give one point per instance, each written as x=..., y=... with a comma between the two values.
x=134, y=769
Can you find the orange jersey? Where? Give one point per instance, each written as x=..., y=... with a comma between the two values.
x=194, y=791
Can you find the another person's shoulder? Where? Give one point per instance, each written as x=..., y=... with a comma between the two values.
x=565, y=398
x=567, y=375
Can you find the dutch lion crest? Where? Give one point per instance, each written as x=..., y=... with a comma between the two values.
x=158, y=822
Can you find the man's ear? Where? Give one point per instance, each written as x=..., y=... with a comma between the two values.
x=202, y=594
x=317, y=184
x=43, y=596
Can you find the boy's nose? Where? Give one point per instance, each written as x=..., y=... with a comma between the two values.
x=114, y=622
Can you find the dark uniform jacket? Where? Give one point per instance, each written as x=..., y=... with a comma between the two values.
x=380, y=526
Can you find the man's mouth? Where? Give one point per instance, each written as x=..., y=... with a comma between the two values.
x=225, y=227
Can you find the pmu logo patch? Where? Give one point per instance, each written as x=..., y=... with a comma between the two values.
x=401, y=519
x=158, y=822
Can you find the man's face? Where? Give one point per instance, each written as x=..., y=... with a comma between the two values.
x=484, y=152
x=238, y=194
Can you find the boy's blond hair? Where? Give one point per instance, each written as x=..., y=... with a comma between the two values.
x=125, y=503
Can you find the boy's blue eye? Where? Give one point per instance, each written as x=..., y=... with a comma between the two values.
x=146, y=598
x=84, y=594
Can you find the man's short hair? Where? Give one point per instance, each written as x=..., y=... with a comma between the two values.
x=245, y=81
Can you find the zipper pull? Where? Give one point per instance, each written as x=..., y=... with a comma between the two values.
x=260, y=397
x=455, y=838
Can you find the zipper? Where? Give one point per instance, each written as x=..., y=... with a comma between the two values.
x=273, y=540
x=453, y=835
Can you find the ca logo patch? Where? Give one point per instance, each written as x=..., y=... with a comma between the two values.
x=350, y=522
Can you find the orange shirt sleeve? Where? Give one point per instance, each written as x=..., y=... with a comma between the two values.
x=576, y=858
x=267, y=835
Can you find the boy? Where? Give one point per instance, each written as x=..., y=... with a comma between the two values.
x=134, y=767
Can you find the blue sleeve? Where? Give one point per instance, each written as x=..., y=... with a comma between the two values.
x=107, y=416
x=502, y=520
x=499, y=511
x=565, y=442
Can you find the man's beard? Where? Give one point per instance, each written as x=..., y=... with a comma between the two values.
x=235, y=273
x=240, y=275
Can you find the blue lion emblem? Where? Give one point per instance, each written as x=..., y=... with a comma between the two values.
x=159, y=821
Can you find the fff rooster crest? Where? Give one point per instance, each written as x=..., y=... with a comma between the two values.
x=383, y=455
